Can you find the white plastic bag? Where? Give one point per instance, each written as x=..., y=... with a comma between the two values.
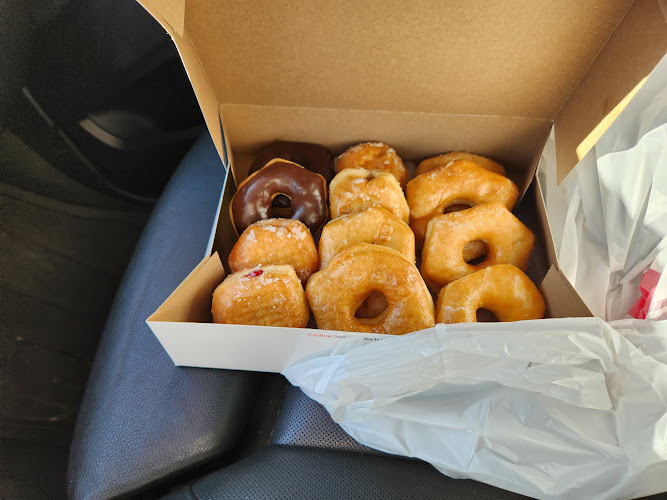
x=609, y=215
x=560, y=408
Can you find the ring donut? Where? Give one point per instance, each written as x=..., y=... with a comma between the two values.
x=458, y=183
x=266, y=296
x=306, y=190
x=375, y=225
x=507, y=239
x=502, y=289
x=335, y=293
x=438, y=161
x=313, y=157
x=357, y=189
x=278, y=242
x=374, y=156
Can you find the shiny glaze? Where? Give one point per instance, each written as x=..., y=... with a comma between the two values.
x=306, y=190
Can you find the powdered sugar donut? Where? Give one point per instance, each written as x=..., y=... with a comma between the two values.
x=277, y=242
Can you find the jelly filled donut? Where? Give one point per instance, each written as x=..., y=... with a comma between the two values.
x=502, y=289
x=438, y=161
x=279, y=242
x=266, y=296
x=507, y=239
x=336, y=292
x=375, y=225
x=356, y=189
x=374, y=156
x=306, y=190
x=458, y=183
x=313, y=157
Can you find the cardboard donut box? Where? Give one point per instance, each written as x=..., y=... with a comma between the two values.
x=426, y=78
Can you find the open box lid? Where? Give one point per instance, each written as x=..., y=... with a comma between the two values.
x=497, y=71
x=552, y=61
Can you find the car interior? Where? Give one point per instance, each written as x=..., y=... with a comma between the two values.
x=107, y=199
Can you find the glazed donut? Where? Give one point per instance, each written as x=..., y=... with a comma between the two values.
x=266, y=296
x=508, y=241
x=356, y=189
x=335, y=293
x=306, y=190
x=502, y=289
x=278, y=242
x=374, y=156
x=375, y=225
x=438, y=161
x=458, y=183
x=313, y=157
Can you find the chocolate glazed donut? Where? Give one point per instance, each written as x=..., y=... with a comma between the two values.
x=313, y=157
x=307, y=192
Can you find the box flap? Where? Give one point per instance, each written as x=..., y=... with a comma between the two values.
x=434, y=56
x=561, y=298
x=169, y=13
x=246, y=347
x=437, y=57
x=191, y=301
x=528, y=176
x=635, y=48
x=547, y=234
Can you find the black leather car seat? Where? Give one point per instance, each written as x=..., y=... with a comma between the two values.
x=310, y=456
x=142, y=419
x=146, y=426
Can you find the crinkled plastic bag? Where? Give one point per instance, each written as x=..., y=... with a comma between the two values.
x=559, y=408
x=609, y=215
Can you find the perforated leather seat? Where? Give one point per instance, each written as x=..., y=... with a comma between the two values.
x=310, y=456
